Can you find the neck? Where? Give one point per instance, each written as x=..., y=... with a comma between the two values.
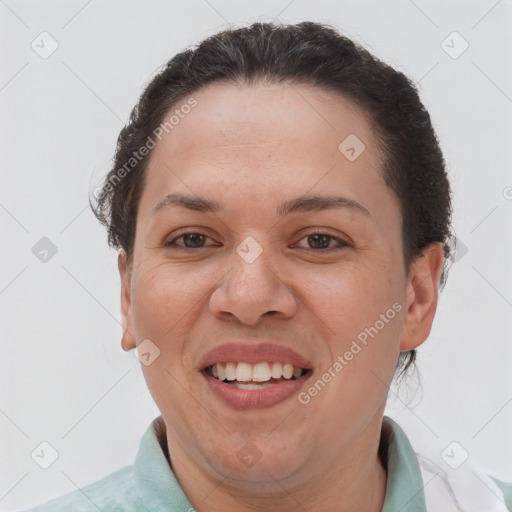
x=357, y=481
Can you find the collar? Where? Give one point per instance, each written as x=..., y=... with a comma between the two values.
x=160, y=490
x=157, y=485
x=404, y=488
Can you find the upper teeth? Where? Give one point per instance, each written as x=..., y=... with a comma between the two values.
x=259, y=372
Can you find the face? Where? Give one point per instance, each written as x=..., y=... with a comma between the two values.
x=300, y=263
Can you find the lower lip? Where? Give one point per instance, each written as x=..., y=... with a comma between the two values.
x=256, y=398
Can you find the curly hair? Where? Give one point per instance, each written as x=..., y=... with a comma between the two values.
x=304, y=53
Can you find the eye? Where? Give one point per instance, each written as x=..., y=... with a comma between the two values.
x=316, y=240
x=192, y=240
x=322, y=241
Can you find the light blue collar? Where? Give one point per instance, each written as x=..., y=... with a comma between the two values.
x=160, y=491
x=404, y=488
x=158, y=487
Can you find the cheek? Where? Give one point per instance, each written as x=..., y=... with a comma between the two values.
x=351, y=298
x=362, y=317
x=167, y=301
x=159, y=300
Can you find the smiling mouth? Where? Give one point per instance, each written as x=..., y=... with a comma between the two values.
x=247, y=376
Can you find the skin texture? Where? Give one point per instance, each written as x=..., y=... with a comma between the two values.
x=251, y=147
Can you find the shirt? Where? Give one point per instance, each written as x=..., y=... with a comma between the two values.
x=414, y=483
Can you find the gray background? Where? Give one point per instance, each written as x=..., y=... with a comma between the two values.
x=63, y=375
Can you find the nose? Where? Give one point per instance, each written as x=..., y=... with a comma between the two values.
x=251, y=290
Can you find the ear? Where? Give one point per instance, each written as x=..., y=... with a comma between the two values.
x=128, y=339
x=422, y=296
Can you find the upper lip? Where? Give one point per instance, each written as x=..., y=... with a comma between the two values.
x=253, y=353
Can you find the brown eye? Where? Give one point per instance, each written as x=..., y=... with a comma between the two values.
x=191, y=240
x=323, y=241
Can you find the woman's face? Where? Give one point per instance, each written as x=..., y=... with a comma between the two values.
x=327, y=283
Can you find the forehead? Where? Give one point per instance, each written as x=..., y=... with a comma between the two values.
x=270, y=139
x=246, y=116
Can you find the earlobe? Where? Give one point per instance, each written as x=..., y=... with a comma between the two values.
x=128, y=338
x=422, y=296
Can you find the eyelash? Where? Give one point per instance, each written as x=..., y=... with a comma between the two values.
x=341, y=243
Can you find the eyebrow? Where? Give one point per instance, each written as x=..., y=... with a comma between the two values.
x=299, y=204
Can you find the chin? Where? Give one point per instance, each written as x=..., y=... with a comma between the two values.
x=263, y=478
x=258, y=465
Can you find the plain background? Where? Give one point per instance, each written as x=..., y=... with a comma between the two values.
x=63, y=375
